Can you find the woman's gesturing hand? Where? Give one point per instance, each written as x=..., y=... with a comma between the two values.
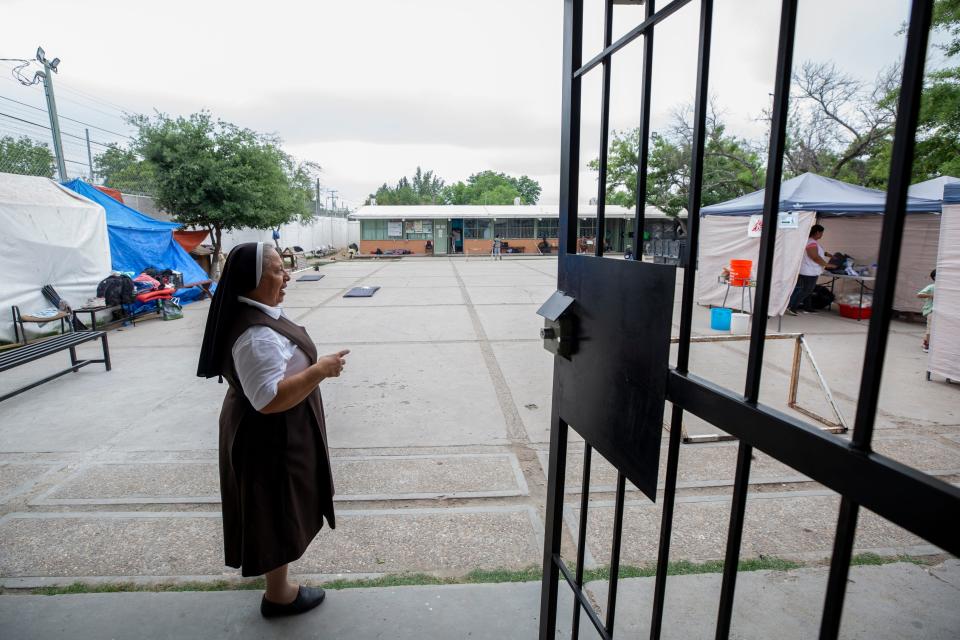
x=331, y=365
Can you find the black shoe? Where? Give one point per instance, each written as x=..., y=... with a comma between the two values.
x=307, y=598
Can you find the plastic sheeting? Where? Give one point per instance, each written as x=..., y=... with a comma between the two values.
x=944, y=357
x=724, y=238
x=53, y=236
x=138, y=241
x=860, y=238
x=810, y=192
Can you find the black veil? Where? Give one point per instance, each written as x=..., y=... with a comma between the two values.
x=240, y=275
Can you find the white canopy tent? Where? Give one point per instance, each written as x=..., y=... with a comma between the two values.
x=851, y=215
x=944, y=358
x=51, y=235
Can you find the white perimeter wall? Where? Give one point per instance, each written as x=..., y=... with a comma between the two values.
x=322, y=231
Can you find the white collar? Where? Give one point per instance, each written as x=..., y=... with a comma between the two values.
x=273, y=312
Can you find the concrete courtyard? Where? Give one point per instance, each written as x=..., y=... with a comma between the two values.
x=439, y=430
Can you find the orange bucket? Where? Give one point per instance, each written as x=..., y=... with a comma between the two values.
x=740, y=272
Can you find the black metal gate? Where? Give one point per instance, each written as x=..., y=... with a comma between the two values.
x=612, y=404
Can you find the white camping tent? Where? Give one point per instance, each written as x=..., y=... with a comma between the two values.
x=944, y=359
x=51, y=235
x=725, y=235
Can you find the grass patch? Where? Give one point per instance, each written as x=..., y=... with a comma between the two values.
x=477, y=576
x=868, y=559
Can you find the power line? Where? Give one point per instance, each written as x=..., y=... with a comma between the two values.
x=102, y=144
x=86, y=124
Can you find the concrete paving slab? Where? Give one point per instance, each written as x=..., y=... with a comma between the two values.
x=795, y=525
x=391, y=298
x=453, y=540
x=412, y=395
x=355, y=325
x=18, y=478
x=428, y=476
x=477, y=612
x=511, y=322
x=357, y=478
x=417, y=282
x=528, y=370
x=892, y=602
x=888, y=602
x=157, y=544
x=523, y=294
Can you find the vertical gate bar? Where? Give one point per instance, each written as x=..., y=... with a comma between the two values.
x=731, y=558
x=569, y=177
x=582, y=534
x=771, y=201
x=570, y=128
x=644, y=146
x=604, y=133
x=839, y=569
x=553, y=525
x=686, y=307
x=901, y=166
x=696, y=184
x=615, y=552
x=771, y=207
x=666, y=523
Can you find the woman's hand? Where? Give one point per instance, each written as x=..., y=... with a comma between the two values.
x=331, y=365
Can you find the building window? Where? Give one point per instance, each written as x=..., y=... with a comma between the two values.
x=518, y=228
x=373, y=229
x=549, y=228
x=418, y=229
x=587, y=228
x=477, y=229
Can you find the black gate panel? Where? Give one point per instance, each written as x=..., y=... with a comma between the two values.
x=607, y=384
x=612, y=390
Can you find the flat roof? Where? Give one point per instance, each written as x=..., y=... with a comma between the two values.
x=499, y=212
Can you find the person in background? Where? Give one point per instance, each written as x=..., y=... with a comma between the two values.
x=812, y=265
x=497, y=248
x=927, y=294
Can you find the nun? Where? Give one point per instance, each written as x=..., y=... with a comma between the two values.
x=275, y=479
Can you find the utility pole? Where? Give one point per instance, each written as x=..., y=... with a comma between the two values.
x=317, y=200
x=49, y=68
x=89, y=155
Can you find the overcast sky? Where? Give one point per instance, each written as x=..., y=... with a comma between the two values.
x=372, y=89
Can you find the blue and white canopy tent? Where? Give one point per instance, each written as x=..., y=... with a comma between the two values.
x=138, y=241
x=850, y=213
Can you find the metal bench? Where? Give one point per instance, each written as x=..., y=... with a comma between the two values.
x=35, y=351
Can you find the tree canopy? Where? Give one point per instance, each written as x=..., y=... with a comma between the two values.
x=732, y=166
x=24, y=156
x=218, y=176
x=485, y=187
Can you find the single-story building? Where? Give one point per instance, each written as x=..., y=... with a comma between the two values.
x=470, y=229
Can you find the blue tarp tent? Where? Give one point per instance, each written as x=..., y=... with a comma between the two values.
x=826, y=196
x=138, y=241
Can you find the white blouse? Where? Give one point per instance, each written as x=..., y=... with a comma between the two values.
x=263, y=358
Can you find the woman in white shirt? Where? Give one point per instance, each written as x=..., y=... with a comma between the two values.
x=811, y=267
x=275, y=479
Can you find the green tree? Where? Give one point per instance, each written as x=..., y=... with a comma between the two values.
x=731, y=166
x=123, y=169
x=24, y=156
x=217, y=176
x=424, y=188
x=493, y=188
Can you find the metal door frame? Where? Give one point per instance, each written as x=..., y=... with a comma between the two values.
x=920, y=503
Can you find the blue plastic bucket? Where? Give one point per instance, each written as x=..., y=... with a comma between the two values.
x=720, y=318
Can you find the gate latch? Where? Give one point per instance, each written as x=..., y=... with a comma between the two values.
x=558, y=331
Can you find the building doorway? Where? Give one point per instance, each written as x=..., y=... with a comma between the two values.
x=441, y=238
x=456, y=236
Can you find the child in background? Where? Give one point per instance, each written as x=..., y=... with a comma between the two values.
x=927, y=294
